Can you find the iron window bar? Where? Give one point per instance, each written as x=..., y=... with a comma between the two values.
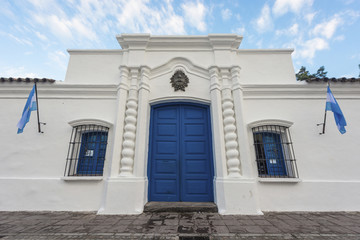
x=86, y=152
x=274, y=152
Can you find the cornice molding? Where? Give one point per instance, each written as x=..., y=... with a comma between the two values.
x=95, y=51
x=299, y=91
x=264, y=122
x=88, y=121
x=149, y=42
x=60, y=91
x=266, y=51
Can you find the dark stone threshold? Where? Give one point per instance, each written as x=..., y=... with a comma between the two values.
x=180, y=207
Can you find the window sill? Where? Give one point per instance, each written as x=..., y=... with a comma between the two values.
x=279, y=180
x=85, y=178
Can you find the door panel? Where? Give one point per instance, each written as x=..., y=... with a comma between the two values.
x=165, y=155
x=180, y=160
x=196, y=184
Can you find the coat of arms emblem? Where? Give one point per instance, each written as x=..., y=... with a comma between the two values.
x=179, y=81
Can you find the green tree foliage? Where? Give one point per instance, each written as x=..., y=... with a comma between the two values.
x=320, y=73
x=303, y=74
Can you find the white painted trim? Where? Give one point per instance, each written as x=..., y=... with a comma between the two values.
x=279, y=180
x=179, y=99
x=61, y=91
x=269, y=51
x=87, y=121
x=179, y=63
x=263, y=122
x=95, y=51
x=185, y=42
x=81, y=178
x=229, y=179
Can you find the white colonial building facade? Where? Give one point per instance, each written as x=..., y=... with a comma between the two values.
x=179, y=119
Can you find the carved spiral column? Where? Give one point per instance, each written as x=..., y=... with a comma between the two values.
x=231, y=144
x=218, y=128
x=128, y=152
x=243, y=138
x=142, y=123
x=122, y=94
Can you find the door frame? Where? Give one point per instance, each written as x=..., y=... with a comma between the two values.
x=211, y=155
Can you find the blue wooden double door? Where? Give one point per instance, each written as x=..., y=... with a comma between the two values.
x=180, y=157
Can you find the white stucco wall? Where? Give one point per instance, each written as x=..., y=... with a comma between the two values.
x=34, y=163
x=94, y=66
x=99, y=85
x=326, y=163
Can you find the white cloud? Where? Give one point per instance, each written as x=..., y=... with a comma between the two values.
x=17, y=72
x=41, y=36
x=310, y=47
x=5, y=10
x=339, y=38
x=58, y=27
x=239, y=30
x=43, y=4
x=264, y=22
x=309, y=17
x=89, y=20
x=281, y=7
x=327, y=28
x=59, y=58
x=293, y=30
x=226, y=14
x=194, y=13
x=20, y=40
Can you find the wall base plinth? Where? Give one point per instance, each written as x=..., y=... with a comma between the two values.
x=124, y=195
x=237, y=196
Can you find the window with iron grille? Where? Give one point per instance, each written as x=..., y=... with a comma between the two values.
x=274, y=152
x=87, y=149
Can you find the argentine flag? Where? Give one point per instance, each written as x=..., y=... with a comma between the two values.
x=332, y=105
x=29, y=106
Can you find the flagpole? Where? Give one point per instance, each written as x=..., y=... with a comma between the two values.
x=37, y=107
x=324, y=123
x=323, y=132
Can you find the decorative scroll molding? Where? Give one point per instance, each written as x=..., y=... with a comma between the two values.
x=231, y=144
x=128, y=152
x=179, y=81
x=235, y=75
x=214, y=78
x=124, y=78
x=144, y=78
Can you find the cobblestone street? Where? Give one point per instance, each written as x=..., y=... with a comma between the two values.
x=182, y=226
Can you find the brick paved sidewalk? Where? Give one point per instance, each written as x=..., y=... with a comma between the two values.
x=181, y=226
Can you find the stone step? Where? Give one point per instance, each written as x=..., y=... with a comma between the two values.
x=180, y=207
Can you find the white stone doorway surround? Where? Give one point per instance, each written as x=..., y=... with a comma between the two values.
x=126, y=189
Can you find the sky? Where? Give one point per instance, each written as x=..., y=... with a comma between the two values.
x=35, y=34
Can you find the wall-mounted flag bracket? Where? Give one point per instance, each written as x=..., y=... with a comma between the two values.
x=32, y=104
x=37, y=110
x=332, y=105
